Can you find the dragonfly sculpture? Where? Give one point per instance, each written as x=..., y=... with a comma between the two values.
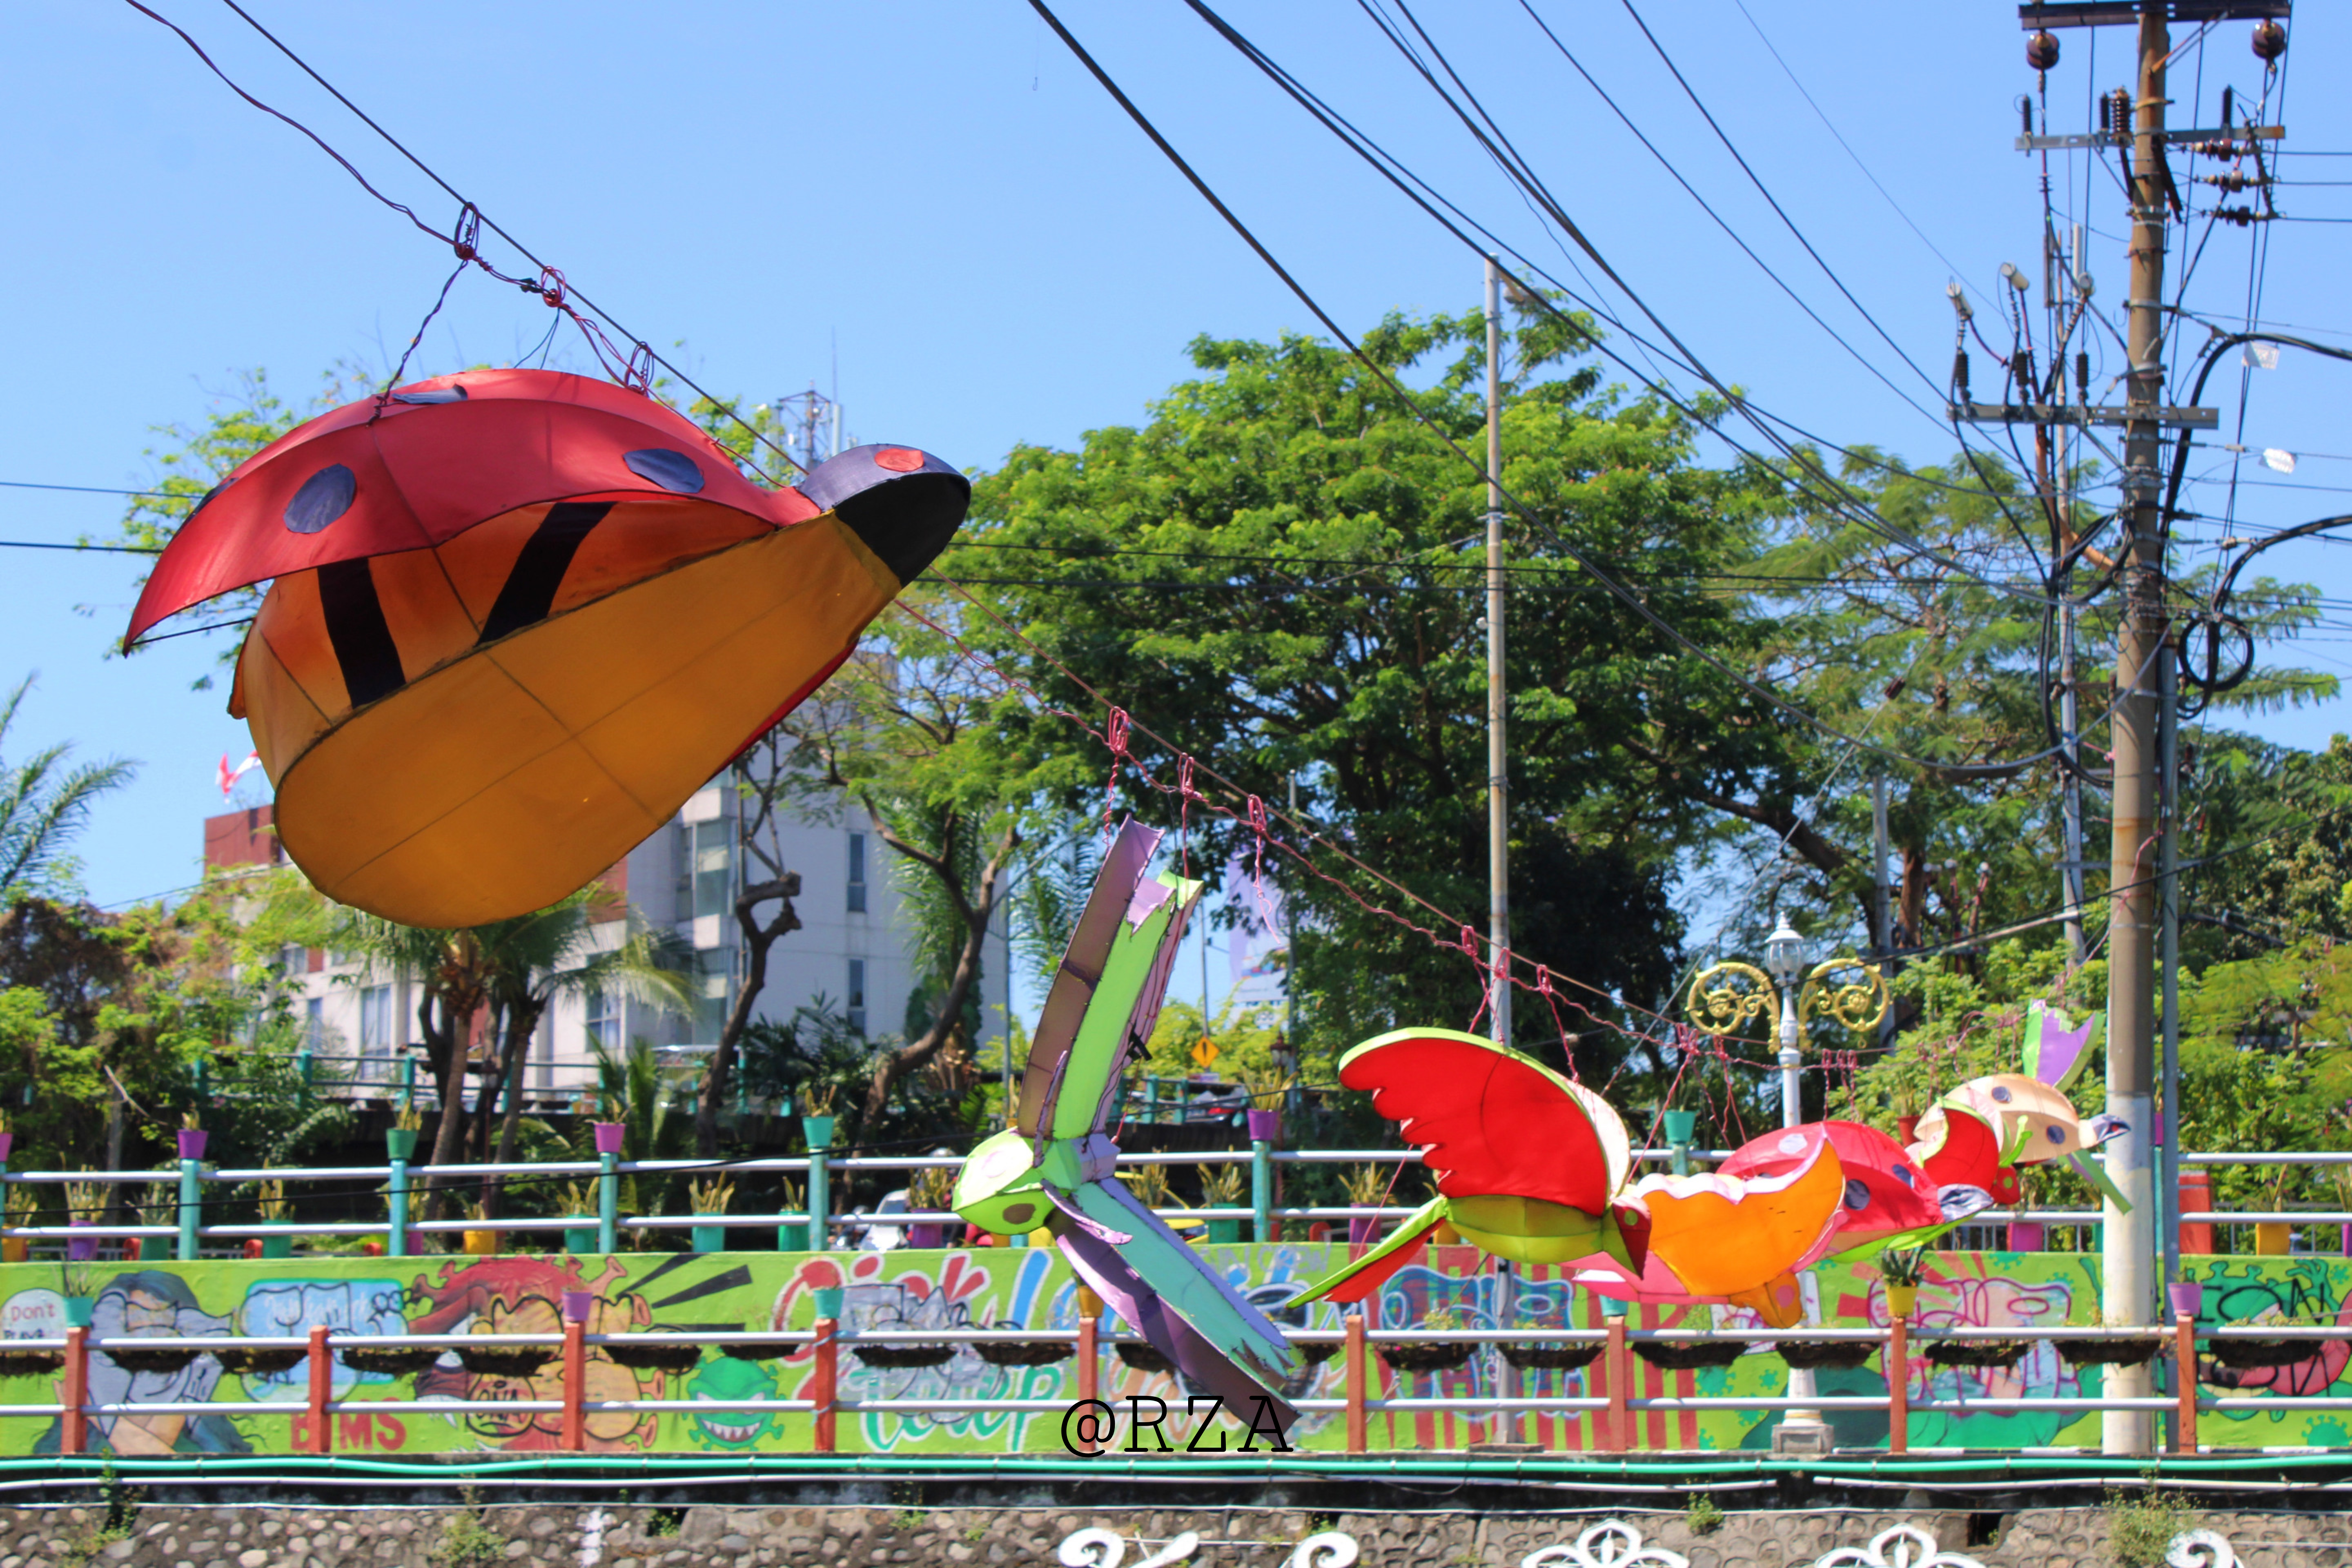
x=1053, y=1168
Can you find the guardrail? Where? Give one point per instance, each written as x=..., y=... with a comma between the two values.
x=822, y=1226
x=1614, y=1408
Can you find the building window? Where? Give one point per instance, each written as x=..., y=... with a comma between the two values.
x=714, y=865
x=710, y=1007
x=314, y=1025
x=603, y=1009
x=856, y=995
x=857, y=873
x=375, y=1032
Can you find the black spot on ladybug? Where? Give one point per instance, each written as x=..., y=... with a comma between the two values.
x=1903, y=1174
x=1018, y=1214
x=324, y=497
x=670, y=470
x=1857, y=1197
x=2001, y=1094
x=2055, y=1134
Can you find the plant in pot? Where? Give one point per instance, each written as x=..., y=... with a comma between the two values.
x=578, y=1200
x=931, y=1192
x=159, y=1204
x=18, y=1206
x=817, y=1101
x=1431, y=1355
x=905, y=1353
x=1269, y=1089
x=710, y=1196
x=1221, y=1188
x=8, y=1137
x=751, y=1349
x=276, y=1212
x=481, y=1240
x=1903, y=1269
x=1559, y=1355
x=84, y=1202
x=1690, y=1355
x=1366, y=1187
x=674, y=1360
x=400, y=1138
x=190, y=1137
x=2275, y=1237
x=791, y=1227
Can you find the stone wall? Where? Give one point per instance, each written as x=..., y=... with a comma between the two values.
x=573, y=1536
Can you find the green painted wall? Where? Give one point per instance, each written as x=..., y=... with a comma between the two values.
x=722, y=1292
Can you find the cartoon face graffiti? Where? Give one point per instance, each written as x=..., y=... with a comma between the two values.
x=153, y=1303
x=519, y=1294
x=727, y=1379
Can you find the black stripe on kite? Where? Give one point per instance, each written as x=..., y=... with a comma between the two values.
x=726, y=1279
x=356, y=627
x=530, y=587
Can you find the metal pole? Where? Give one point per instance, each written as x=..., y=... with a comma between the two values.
x=608, y=1203
x=2128, y=1251
x=2168, y=1204
x=1801, y=1430
x=1499, y=801
x=2070, y=876
x=192, y=1206
x=397, y=1244
x=1883, y=896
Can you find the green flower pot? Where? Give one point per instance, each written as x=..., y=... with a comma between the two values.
x=79, y=1310
x=710, y=1239
x=279, y=1245
x=792, y=1236
x=400, y=1142
x=579, y=1236
x=1225, y=1230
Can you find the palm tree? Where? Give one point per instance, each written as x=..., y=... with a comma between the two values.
x=43, y=802
x=504, y=976
x=634, y=1090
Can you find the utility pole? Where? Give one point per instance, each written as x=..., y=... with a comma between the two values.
x=2126, y=1251
x=1498, y=800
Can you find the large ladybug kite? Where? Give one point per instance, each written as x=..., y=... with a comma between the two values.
x=516, y=617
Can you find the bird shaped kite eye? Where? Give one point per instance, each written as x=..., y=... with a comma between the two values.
x=1857, y=1197
x=516, y=617
x=2000, y=1092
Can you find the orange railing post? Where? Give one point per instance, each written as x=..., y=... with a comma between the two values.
x=1358, y=1416
x=1617, y=1366
x=575, y=1385
x=1089, y=1358
x=323, y=1390
x=73, y=1436
x=822, y=1381
x=2184, y=1382
x=1896, y=1361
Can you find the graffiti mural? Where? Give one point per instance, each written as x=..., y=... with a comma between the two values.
x=717, y=1296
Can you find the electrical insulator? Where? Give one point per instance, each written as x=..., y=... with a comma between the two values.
x=2269, y=40
x=2025, y=115
x=1960, y=306
x=2081, y=376
x=2119, y=115
x=2042, y=51
x=1960, y=374
x=2023, y=360
x=2011, y=275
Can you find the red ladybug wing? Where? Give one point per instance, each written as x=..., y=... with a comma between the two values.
x=1490, y=1120
x=354, y=483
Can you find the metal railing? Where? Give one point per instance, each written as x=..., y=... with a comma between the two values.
x=1610, y=1398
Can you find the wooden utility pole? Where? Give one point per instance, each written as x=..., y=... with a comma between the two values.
x=2127, y=1250
x=1498, y=797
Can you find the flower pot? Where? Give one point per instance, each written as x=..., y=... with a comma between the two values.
x=2273, y=1238
x=79, y=1310
x=253, y=1249
x=481, y=1243
x=1680, y=1127
x=580, y=1235
x=277, y=1245
x=1444, y=1235
x=608, y=1136
x=577, y=1305
x=828, y=1301
x=1360, y=1231
x=15, y=1249
x=81, y=1249
x=926, y=1235
x=2187, y=1298
x=400, y=1142
x=371, y=1247
x=1265, y=1126
x=818, y=1131
x=2025, y=1235
x=1902, y=1300
x=1425, y=1355
x=710, y=1238
x=792, y=1236
x=191, y=1140
x=7, y=1142
x=1689, y=1355
x=1906, y=1130
x=1225, y=1230
x=2347, y=1241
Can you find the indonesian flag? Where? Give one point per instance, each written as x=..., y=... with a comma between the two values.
x=229, y=776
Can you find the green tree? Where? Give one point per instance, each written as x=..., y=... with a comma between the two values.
x=44, y=801
x=1281, y=572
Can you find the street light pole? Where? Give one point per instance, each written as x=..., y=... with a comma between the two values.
x=1801, y=1430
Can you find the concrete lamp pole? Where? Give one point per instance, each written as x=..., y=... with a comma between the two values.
x=1801, y=1431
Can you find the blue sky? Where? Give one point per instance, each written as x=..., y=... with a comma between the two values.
x=935, y=198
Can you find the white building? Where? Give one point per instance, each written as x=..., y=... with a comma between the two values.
x=853, y=950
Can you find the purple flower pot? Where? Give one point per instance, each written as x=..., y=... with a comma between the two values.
x=81, y=1249
x=608, y=1137
x=922, y=1237
x=1362, y=1230
x=577, y=1304
x=7, y=1142
x=1265, y=1126
x=192, y=1143
x=2027, y=1236
x=2188, y=1297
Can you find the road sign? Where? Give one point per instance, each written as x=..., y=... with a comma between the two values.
x=1204, y=1055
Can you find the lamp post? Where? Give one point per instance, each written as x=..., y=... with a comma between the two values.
x=1728, y=996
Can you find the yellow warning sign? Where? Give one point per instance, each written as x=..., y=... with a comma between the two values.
x=1204, y=1055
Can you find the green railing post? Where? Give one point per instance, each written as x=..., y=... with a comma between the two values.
x=820, y=1182
x=1150, y=1101
x=397, y=1244
x=307, y=1065
x=192, y=1201
x=608, y=1203
x=407, y=1080
x=1262, y=1189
